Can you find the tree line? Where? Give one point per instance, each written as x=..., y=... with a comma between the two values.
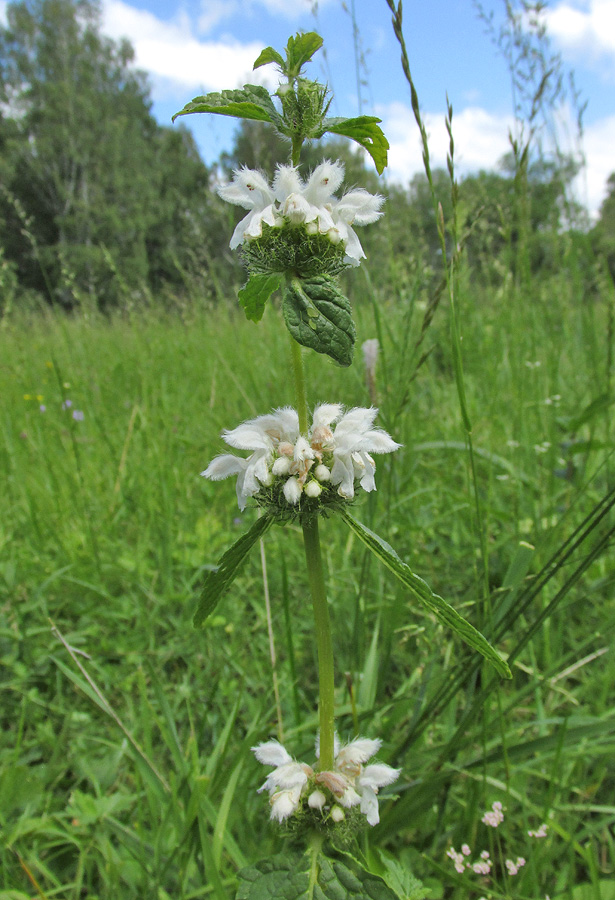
x=101, y=205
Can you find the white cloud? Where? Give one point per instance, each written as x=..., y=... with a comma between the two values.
x=598, y=143
x=587, y=28
x=170, y=51
x=481, y=139
x=3, y=5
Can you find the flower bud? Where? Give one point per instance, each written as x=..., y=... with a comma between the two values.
x=281, y=466
x=316, y=800
x=313, y=489
x=322, y=473
x=338, y=814
x=292, y=491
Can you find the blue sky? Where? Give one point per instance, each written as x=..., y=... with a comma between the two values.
x=190, y=47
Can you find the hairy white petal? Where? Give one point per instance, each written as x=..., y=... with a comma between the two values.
x=378, y=441
x=271, y=753
x=342, y=474
x=378, y=775
x=248, y=436
x=286, y=777
x=354, y=250
x=349, y=798
x=326, y=414
x=223, y=467
x=359, y=207
x=286, y=182
x=248, y=188
x=358, y=751
x=303, y=450
x=369, y=806
x=357, y=420
x=284, y=803
x=324, y=181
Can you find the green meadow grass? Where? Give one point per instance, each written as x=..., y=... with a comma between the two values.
x=125, y=769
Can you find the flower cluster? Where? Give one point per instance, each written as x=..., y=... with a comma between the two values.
x=291, y=202
x=293, y=785
x=285, y=466
x=494, y=816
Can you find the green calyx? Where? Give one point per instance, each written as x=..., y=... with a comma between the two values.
x=272, y=501
x=292, y=250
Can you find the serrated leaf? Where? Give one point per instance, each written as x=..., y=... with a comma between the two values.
x=442, y=610
x=364, y=130
x=250, y=102
x=300, y=49
x=401, y=881
x=319, y=316
x=286, y=877
x=254, y=294
x=269, y=55
x=282, y=876
x=219, y=579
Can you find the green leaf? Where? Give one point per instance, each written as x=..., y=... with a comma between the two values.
x=366, y=131
x=286, y=877
x=219, y=579
x=269, y=55
x=443, y=611
x=249, y=102
x=283, y=877
x=254, y=294
x=400, y=879
x=319, y=316
x=300, y=49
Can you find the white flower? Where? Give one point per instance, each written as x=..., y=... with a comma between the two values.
x=261, y=435
x=250, y=190
x=336, y=449
x=348, y=784
x=355, y=439
x=357, y=207
x=312, y=203
x=364, y=782
x=286, y=783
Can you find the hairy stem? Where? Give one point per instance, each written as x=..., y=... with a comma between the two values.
x=316, y=577
x=322, y=626
x=300, y=392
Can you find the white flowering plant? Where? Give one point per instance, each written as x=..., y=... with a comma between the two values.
x=297, y=236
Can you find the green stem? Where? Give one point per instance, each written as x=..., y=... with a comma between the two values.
x=322, y=626
x=316, y=577
x=300, y=391
x=296, y=149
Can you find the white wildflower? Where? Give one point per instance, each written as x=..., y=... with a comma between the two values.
x=336, y=449
x=355, y=439
x=286, y=783
x=364, y=782
x=311, y=203
x=250, y=190
x=357, y=207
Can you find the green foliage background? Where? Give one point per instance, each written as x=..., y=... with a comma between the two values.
x=139, y=782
